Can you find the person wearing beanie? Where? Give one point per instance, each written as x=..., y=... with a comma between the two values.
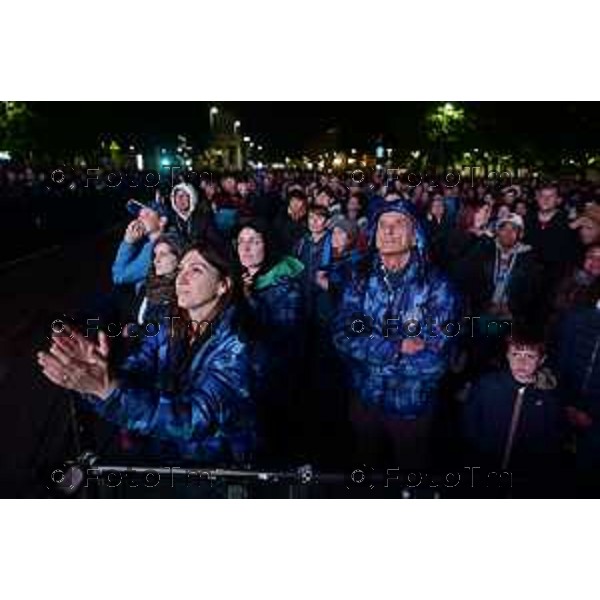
x=388, y=330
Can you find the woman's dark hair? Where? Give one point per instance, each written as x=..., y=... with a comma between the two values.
x=466, y=215
x=162, y=288
x=204, y=206
x=297, y=194
x=432, y=200
x=219, y=257
x=181, y=351
x=362, y=203
x=272, y=254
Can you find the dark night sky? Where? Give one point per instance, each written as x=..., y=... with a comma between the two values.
x=290, y=125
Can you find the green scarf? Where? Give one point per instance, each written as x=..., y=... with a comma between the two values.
x=288, y=266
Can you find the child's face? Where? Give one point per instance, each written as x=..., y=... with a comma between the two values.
x=524, y=361
x=316, y=222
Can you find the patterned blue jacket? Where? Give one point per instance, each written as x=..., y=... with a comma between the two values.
x=381, y=374
x=209, y=416
x=277, y=306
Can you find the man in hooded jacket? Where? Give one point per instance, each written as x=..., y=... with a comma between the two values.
x=393, y=329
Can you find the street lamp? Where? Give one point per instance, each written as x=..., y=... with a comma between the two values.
x=214, y=111
x=247, y=138
x=236, y=126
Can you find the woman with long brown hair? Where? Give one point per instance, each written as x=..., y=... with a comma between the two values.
x=190, y=387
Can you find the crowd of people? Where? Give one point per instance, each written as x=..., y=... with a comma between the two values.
x=38, y=212
x=283, y=317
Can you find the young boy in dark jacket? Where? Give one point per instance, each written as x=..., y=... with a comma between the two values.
x=512, y=420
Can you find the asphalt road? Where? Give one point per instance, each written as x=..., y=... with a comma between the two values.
x=35, y=429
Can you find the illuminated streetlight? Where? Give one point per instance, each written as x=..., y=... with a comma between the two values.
x=260, y=147
x=236, y=126
x=214, y=111
x=247, y=138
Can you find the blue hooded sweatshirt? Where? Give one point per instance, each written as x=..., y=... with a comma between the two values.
x=132, y=263
x=382, y=376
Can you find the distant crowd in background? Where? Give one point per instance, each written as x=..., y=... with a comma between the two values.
x=282, y=317
x=39, y=213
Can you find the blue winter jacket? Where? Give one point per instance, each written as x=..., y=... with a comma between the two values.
x=132, y=263
x=314, y=257
x=277, y=305
x=381, y=374
x=208, y=416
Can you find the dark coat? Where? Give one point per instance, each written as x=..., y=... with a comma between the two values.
x=487, y=415
x=474, y=274
x=556, y=245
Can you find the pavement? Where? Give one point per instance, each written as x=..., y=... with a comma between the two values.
x=35, y=429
